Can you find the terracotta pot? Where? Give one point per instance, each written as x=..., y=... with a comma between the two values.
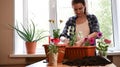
x=52, y=59
x=72, y=53
x=61, y=52
x=30, y=47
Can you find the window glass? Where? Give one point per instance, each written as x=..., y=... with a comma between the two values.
x=38, y=11
x=64, y=11
x=102, y=9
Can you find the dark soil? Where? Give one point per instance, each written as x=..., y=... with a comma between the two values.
x=88, y=61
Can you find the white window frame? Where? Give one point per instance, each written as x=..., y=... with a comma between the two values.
x=53, y=15
x=116, y=28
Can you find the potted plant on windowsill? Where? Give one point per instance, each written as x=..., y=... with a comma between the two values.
x=29, y=35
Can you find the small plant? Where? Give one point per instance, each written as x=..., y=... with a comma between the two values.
x=55, y=30
x=89, y=41
x=56, y=33
x=102, y=46
x=52, y=49
x=29, y=33
x=73, y=40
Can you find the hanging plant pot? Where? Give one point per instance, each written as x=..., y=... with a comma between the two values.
x=30, y=47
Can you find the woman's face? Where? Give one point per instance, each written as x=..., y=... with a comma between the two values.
x=78, y=9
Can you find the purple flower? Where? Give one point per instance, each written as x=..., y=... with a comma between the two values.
x=99, y=35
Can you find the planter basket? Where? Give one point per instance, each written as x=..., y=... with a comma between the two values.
x=61, y=52
x=72, y=53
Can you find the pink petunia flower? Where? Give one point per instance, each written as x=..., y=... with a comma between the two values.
x=99, y=35
x=107, y=41
x=85, y=39
x=89, y=41
x=92, y=40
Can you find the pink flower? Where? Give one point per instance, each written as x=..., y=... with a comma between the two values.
x=89, y=41
x=92, y=40
x=107, y=41
x=99, y=35
x=85, y=39
x=55, y=40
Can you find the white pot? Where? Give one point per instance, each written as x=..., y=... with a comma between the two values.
x=52, y=59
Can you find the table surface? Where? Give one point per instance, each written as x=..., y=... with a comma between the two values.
x=42, y=64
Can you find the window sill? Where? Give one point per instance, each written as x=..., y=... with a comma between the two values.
x=112, y=53
x=43, y=55
x=27, y=55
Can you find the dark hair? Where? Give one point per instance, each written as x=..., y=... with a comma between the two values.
x=80, y=1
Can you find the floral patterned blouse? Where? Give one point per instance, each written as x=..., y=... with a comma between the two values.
x=70, y=27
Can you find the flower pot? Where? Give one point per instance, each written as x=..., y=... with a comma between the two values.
x=72, y=53
x=103, y=53
x=61, y=52
x=30, y=47
x=52, y=59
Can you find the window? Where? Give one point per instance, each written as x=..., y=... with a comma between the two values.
x=64, y=11
x=26, y=10
x=102, y=9
x=40, y=11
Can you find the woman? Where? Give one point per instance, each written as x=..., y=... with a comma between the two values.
x=82, y=22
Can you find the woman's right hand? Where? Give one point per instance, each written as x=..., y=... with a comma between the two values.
x=64, y=40
x=79, y=43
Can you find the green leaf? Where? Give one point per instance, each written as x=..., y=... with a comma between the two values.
x=52, y=49
x=56, y=33
x=33, y=33
x=28, y=33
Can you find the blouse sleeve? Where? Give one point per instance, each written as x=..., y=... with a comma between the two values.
x=69, y=23
x=65, y=30
x=94, y=24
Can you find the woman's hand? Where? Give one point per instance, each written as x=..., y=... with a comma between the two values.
x=64, y=40
x=80, y=42
x=92, y=35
